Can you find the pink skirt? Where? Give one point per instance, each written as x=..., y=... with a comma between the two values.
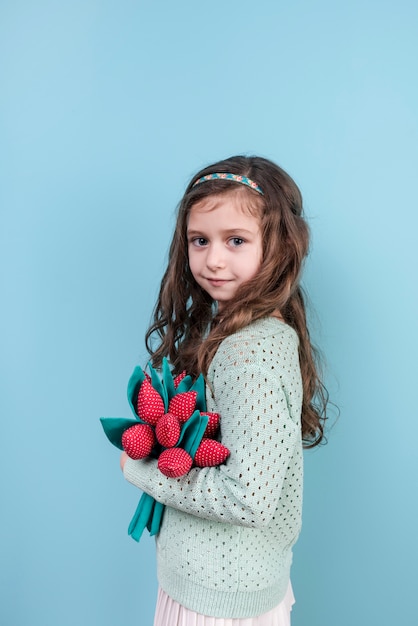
x=171, y=613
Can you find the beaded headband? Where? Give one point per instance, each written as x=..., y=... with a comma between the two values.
x=238, y=178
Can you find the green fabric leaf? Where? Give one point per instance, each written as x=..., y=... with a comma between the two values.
x=134, y=385
x=184, y=384
x=192, y=432
x=114, y=428
x=168, y=381
x=199, y=386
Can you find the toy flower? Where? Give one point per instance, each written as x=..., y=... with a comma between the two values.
x=170, y=423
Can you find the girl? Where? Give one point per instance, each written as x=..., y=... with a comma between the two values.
x=230, y=306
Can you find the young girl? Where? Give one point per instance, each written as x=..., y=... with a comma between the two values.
x=230, y=306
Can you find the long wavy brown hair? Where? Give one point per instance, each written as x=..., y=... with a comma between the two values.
x=186, y=328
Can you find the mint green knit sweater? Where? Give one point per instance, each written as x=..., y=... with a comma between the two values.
x=225, y=545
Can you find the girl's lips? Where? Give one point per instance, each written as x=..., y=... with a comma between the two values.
x=217, y=282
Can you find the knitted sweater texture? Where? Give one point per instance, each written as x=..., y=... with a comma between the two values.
x=225, y=545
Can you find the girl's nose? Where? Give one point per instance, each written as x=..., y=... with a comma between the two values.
x=215, y=258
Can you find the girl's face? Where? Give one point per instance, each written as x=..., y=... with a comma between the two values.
x=225, y=246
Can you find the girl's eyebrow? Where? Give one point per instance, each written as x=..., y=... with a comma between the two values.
x=229, y=231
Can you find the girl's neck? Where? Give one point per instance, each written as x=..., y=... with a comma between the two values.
x=219, y=317
x=277, y=315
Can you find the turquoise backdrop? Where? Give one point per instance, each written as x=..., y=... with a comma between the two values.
x=106, y=109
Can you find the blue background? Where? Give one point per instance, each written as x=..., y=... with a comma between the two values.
x=106, y=110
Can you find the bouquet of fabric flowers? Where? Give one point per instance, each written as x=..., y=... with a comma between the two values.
x=171, y=424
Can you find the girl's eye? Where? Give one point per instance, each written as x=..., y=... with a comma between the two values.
x=199, y=241
x=237, y=241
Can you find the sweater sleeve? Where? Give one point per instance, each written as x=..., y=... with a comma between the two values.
x=258, y=429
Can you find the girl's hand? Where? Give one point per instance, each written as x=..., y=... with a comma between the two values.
x=123, y=458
